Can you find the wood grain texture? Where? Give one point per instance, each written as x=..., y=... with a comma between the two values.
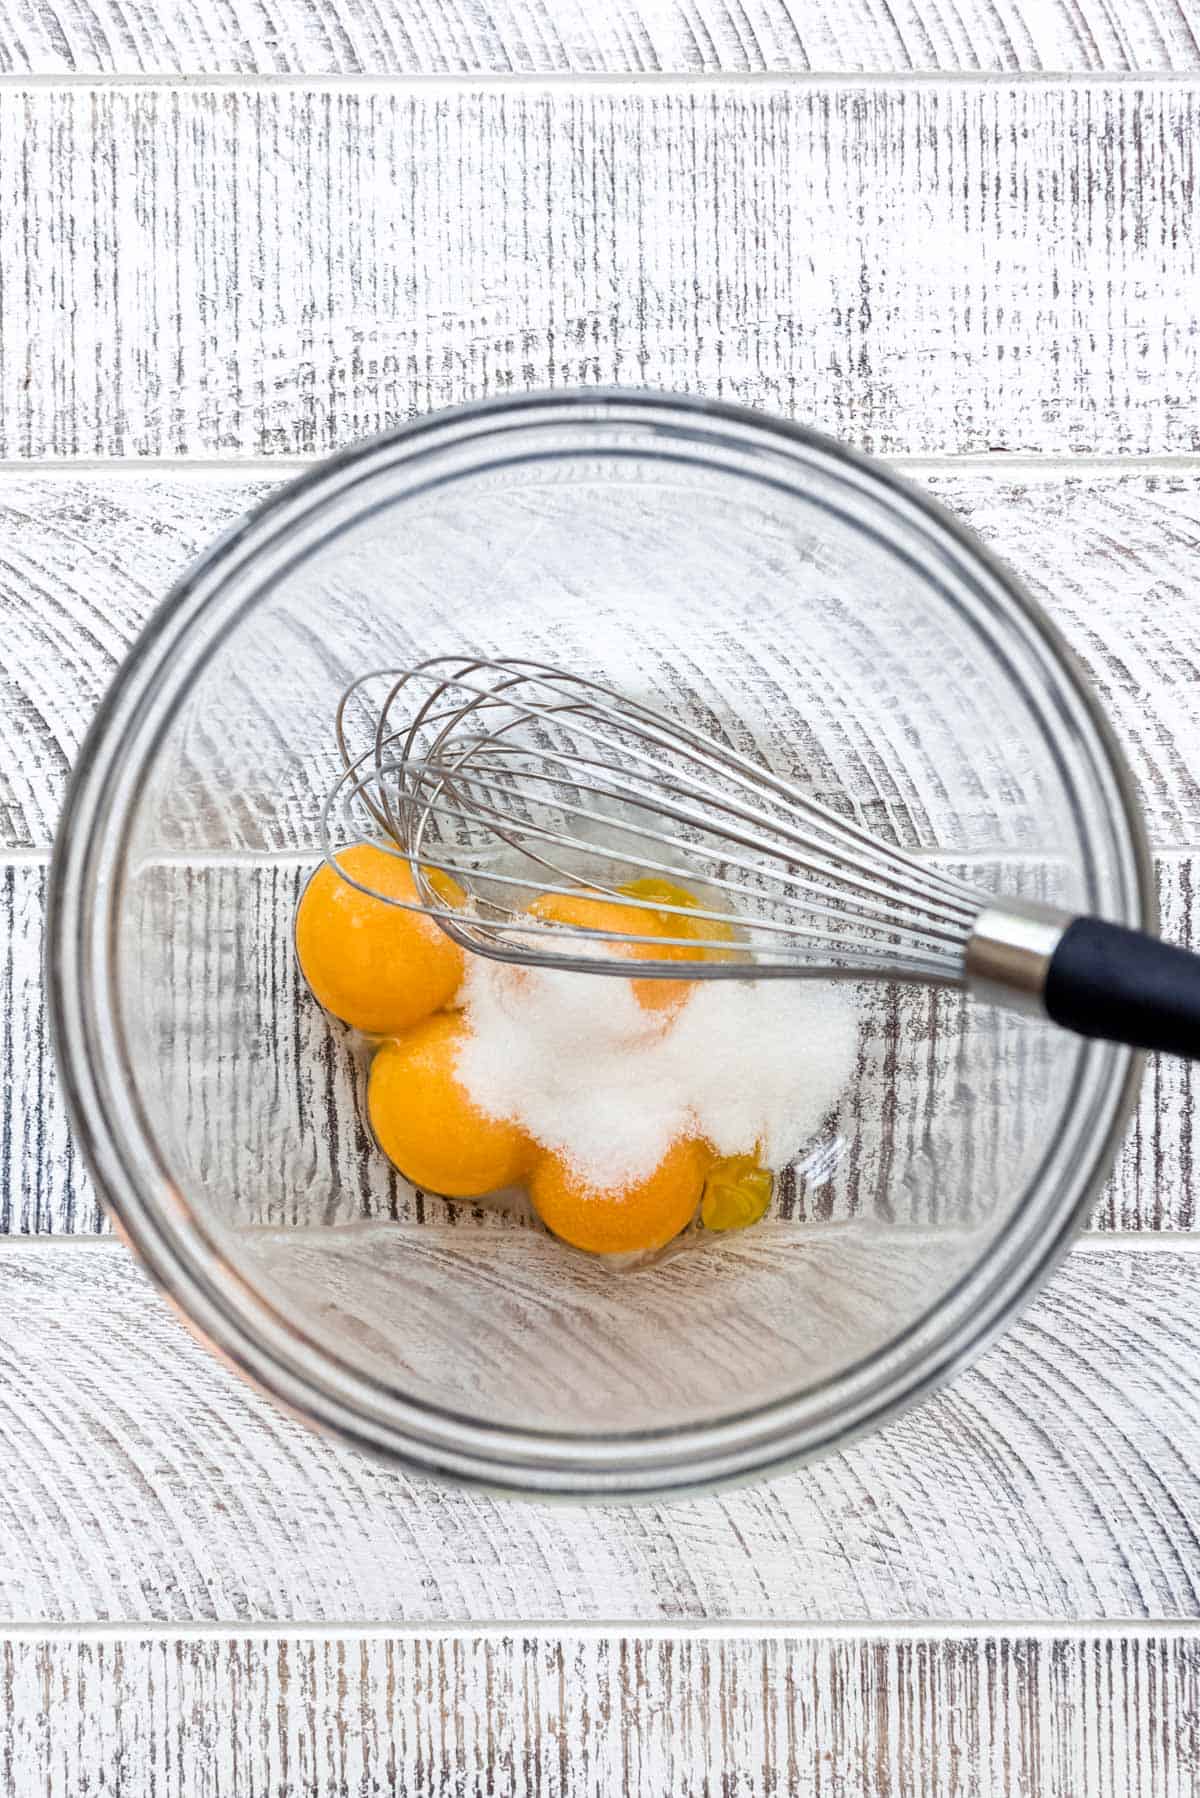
x=82, y=566
x=346, y=37
x=1115, y=559
x=295, y=1148
x=44, y=1185
x=539, y=1714
x=262, y=1097
x=84, y=560
x=241, y=271
x=1058, y=1479
x=931, y=269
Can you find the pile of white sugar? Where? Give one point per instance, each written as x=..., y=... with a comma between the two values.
x=588, y=1072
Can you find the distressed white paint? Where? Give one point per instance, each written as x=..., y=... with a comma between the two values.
x=44, y=1185
x=1059, y=1478
x=313, y=37
x=247, y=271
x=306, y=1123
x=82, y=566
x=933, y=269
x=542, y=1714
x=1114, y=556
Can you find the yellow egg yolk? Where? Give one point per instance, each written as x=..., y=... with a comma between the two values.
x=645, y=1215
x=587, y=910
x=425, y=1121
x=673, y=923
x=371, y=964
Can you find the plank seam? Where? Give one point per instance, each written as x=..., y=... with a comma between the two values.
x=747, y=1629
x=643, y=79
x=301, y=858
x=1053, y=464
x=1088, y=1242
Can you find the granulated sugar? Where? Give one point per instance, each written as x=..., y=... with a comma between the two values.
x=588, y=1072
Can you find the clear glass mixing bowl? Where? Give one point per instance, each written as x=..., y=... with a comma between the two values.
x=740, y=572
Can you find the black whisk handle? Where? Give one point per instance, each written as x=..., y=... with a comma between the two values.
x=1125, y=987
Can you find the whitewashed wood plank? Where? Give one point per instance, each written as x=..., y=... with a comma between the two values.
x=300, y=1143
x=1115, y=559
x=82, y=566
x=84, y=559
x=265, y=1099
x=558, y=1715
x=1057, y=1480
x=349, y=37
x=44, y=1185
x=265, y=1095
x=935, y=268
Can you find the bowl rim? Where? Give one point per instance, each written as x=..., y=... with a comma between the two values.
x=238, y=1323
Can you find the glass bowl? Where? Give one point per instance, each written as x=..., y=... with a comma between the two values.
x=731, y=569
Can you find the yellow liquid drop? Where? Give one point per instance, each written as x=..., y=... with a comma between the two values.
x=736, y=1193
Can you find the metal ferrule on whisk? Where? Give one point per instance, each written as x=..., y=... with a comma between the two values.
x=1009, y=953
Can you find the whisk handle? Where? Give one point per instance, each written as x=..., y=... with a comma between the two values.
x=1126, y=987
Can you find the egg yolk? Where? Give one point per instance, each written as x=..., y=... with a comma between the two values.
x=371, y=964
x=594, y=911
x=737, y=1191
x=426, y=1123
x=673, y=923
x=645, y=1215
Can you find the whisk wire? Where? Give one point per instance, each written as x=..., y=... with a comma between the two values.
x=801, y=890
x=937, y=904
x=665, y=735
x=505, y=772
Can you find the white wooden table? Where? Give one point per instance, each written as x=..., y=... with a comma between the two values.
x=961, y=233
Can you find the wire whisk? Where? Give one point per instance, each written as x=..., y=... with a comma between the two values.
x=515, y=780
